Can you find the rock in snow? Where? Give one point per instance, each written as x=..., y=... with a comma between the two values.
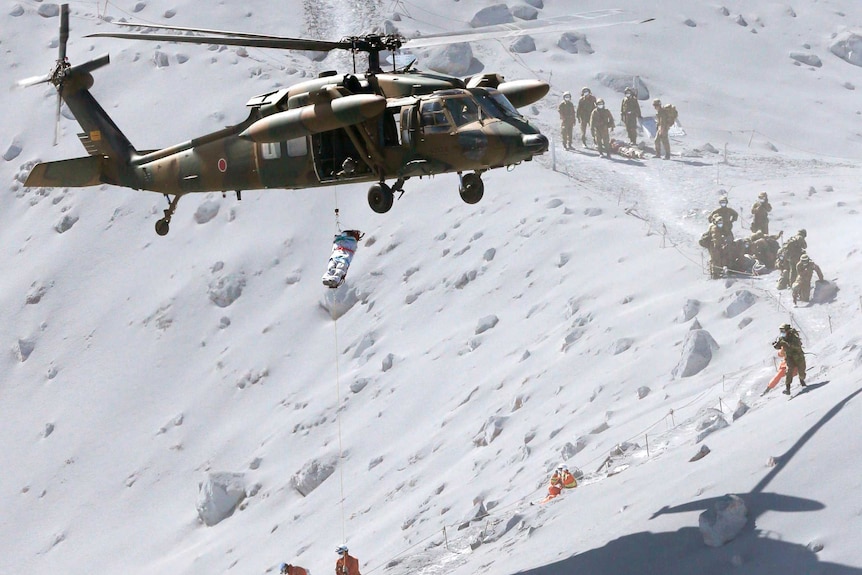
x=848, y=47
x=743, y=299
x=523, y=45
x=219, y=496
x=806, y=58
x=454, y=59
x=575, y=43
x=723, y=521
x=312, y=475
x=690, y=309
x=492, y=15
x=696, y=353
x=225, y=290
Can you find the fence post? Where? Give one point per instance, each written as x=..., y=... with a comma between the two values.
x=446, y=538
x=646, y=437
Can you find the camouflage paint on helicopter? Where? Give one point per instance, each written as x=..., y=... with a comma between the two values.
x=324, y=131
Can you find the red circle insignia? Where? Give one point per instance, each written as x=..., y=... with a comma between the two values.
x=222, y=165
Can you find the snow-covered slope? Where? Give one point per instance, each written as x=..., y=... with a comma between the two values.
x=479, y=346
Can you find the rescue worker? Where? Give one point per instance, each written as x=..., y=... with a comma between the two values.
x=663, y=121
x=804, y=271
x=586, y=105
x=788, y=341
x=765, y=248
x=729, y=215
x=568, y=480
x=740, y=259
x=567, y=119
x=760, y=214
x=555, y=485
x=630, y=114
x=288, y=569
x=346, y=564
x=602, y=122
x=719, y=244
x=789, y=256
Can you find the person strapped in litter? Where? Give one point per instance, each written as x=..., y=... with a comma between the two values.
x=343, y=247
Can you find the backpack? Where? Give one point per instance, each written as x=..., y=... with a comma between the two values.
x=672, y=114
x=705, y=240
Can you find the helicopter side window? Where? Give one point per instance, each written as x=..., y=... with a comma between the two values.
x=297, y=147
x=270, y=150
x=463, y=110
x=434, y=118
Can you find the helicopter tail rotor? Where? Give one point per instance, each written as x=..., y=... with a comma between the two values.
x=63, y=71
x=61, y=67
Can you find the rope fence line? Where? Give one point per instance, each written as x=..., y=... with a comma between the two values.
x=585, y=479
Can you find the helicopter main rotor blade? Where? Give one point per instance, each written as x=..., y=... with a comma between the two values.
x=210, y=31
x=64, y=31
x=582, y=21
x=240, y=39
x=57, y=118
x=33, y=80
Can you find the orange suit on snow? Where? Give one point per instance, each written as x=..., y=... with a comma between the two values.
x=347, y=565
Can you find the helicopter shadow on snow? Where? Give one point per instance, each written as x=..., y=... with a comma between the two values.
x=683, y=552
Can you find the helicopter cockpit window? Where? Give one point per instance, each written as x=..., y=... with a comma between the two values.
x=496, y=104
x=434, y=118
x=463, y=110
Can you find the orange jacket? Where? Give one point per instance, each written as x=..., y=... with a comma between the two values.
x=555, y=486
x=569, y=481
x=296, y=570
x=347, y=565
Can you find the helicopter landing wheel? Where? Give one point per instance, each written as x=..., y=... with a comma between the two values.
x=472, y=188
x=380, y=197
x=163, y=226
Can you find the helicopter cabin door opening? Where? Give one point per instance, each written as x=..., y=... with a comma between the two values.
x=335, y=156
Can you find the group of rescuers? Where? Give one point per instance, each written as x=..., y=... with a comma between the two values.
x=346, y=564
x=592, y=113
x=760, y=252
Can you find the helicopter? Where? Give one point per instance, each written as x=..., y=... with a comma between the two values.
x=338, y=128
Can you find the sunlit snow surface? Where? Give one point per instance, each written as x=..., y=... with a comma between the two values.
x=148, y=378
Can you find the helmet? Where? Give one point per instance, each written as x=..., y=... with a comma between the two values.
x=802, y=233
x=722, y=200
x=629, y=91
x=600, y=102
x=355, y=234
x=656, y=103
x=567, y=95
x=585, y=90
x=804, y=258
x=342, y=549
x=786, y=327
x=762, y=195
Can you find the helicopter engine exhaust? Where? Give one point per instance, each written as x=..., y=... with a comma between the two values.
x=315, y=118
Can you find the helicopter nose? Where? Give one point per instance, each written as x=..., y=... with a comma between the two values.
x=536, y=143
